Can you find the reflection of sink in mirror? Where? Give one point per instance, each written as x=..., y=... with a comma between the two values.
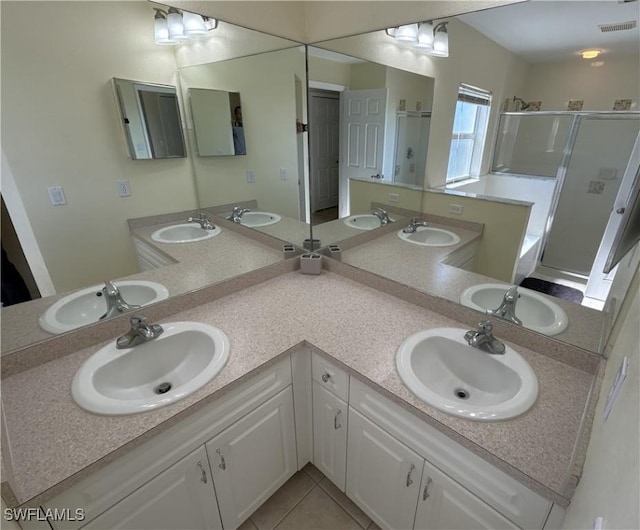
x=184, y=233
x=88, y=305
x=430, y=237
x=156, y=373
x=258, y=219
x=365, y=221
x=441, y=369
x=537, y=312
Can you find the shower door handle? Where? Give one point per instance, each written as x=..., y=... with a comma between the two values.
x=621, y=210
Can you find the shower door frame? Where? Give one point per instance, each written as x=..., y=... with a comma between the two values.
x=569, y=145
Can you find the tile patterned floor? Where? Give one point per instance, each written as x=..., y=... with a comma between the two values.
x=309, y=501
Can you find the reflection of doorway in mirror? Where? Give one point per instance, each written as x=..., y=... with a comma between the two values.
x=324, y=127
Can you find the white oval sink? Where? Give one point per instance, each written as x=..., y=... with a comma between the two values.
x=537, y=311
x=430, y=237
x=186, y=356
x=441, y=369
x=365, y=221
x=258, y=219
x=184, y=233
x=88, y=305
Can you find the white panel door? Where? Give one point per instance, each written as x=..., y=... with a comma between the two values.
x=330, y=435
x=180, y=497
x=362, y=120
x=446, y=505
x=383, y=474
x=251, y=459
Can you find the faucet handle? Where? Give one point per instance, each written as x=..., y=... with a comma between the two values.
x=138, y=321
x=110, y=288
x=485, y=326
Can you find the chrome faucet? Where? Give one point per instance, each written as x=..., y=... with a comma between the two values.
x=414, y=224
x=114, y=300
x=483, y=338
x=507, y=309
x=382, y=215
x=238, y=212
x=203, y=221
x=139, y=333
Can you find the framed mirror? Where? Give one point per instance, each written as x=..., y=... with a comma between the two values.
x=150, y=119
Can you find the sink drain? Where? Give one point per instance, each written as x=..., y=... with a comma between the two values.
x=461, y=393
x=162, y=388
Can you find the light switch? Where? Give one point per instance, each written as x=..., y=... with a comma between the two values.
x=250, y=176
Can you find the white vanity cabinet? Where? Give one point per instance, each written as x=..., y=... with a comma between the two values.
x=254, y=457
x=330, y=419
x=383, y=476
x=180, y=497
x=444, y=504
x=150, y=258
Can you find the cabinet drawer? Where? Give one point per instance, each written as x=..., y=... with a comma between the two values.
x=508, y=496
x=105, y=488
x=329, y=376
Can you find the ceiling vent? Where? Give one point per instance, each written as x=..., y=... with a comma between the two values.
x=619, y=26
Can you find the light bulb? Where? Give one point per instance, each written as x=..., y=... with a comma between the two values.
x=161, y=30
x=408, y=33
x=194, y=25
x=176, y=28
x=441, y=44
x=425, y=36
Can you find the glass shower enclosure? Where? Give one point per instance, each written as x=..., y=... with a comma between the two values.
x=589, y=154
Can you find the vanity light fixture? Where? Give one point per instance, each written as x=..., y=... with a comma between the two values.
x=177, y=26
x=424, y=36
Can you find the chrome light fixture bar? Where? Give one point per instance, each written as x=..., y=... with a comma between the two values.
x=175, y=26
x=434, y=40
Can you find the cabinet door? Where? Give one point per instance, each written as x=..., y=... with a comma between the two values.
x=446, y=505
x=329, y=435
x=251, y=459
x=180, y=497
x=383, y=474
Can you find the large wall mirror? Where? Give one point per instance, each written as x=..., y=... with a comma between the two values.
x=63, y=130
x=528, y=99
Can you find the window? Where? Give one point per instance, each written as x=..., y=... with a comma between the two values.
x=469, y=131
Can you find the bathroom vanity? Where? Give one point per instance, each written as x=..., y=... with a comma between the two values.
x=299, y=377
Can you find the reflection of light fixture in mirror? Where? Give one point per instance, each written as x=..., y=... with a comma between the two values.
x=440, y=41
x=590, y=54
x=434, y=41
x=408, y=33
x=175, y=26
x=425, y=36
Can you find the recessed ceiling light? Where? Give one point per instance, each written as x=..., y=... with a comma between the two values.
x=590, y=54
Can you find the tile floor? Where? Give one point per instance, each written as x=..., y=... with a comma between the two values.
x=309, y=501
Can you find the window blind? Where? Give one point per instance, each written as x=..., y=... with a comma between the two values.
x=477, y=96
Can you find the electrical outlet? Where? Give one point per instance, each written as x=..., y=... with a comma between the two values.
x=56, y=196
x=394, y=197
x=250, y=177
x=455, y=208
x=124, y=190
x=283, y=174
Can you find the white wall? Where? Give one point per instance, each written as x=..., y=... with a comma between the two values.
x=558, y=82
x=610, y=484
x=60, y=127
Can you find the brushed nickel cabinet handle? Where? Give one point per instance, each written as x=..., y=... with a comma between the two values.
x=336, y=424
x=204, y=473
x=325, y=377
x=425, y=495
x=409, y=479
x=222, y=465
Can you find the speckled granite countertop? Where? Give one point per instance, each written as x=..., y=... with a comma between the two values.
x=438, y=279
x=52, y=440
x=197, y=264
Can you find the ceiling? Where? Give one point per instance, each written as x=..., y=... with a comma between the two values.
x=549, y=30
